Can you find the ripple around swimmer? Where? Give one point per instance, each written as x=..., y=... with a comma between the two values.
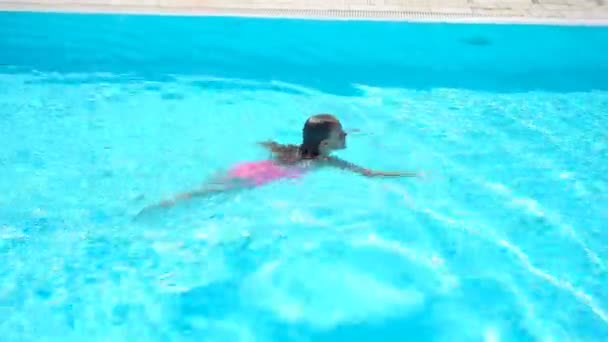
x=484, y=235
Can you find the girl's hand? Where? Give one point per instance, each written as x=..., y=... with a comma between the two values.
x=372, y=173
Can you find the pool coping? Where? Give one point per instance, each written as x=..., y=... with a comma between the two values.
x=444, y=16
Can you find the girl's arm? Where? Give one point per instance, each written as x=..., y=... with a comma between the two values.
x=345, y=165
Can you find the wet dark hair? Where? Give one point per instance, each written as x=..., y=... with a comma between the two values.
x=316, y=129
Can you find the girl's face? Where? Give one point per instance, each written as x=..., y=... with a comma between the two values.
x=335, y=141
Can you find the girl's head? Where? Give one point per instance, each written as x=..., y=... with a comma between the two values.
x=322, y=134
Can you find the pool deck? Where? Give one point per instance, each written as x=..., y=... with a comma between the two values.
x=593, y=12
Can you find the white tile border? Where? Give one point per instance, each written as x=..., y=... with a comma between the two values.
x=464, y=15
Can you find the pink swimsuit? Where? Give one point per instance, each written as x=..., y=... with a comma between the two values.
x=261, y=172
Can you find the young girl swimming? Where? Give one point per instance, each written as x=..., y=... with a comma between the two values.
x=322, y=134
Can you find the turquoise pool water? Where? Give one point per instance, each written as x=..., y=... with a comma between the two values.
x=102, y=115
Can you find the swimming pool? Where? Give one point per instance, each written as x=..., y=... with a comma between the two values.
x=102, y=115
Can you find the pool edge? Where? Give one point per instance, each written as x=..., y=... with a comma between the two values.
x=463, y=16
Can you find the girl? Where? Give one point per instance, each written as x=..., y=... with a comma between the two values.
x=321, y=135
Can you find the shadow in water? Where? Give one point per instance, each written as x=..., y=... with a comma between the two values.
x=419, y=327
x=222, y=300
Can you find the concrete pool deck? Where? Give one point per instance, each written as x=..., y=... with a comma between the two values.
x=593, y=12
